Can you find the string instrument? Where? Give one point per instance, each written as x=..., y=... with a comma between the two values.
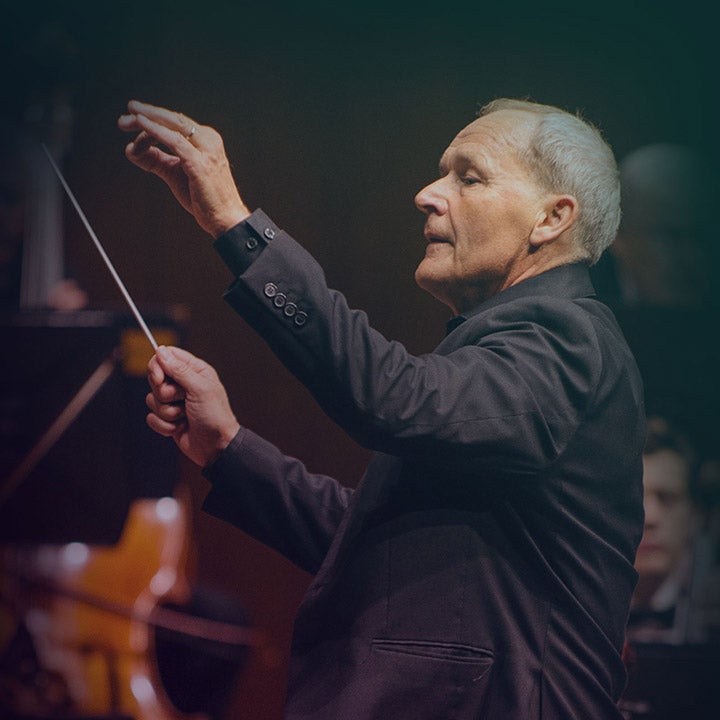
x=89, y=609
x=92, y=610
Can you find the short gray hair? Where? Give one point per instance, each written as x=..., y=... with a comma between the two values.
x=567, y=154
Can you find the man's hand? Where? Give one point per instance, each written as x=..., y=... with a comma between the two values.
x=191, y=161
x=189, y=403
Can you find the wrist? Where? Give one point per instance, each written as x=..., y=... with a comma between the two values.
x=229, y=220
x=224, y=438
x=227, y=435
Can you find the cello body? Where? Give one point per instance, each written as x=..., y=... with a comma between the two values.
x=89, y=609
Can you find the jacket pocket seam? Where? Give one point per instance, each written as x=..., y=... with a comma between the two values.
x=455, y=652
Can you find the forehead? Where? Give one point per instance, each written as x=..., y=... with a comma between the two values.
x=494, y=138
x=665, y=470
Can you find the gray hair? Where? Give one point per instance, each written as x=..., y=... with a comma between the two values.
x=567, y=154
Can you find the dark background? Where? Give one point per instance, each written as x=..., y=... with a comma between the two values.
x=334, y=115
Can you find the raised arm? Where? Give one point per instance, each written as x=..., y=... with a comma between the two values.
x=190, y=158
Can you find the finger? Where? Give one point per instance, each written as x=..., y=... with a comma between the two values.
x=163, y=387
x=157, y=378
x=168, y=118
x=169, y=392
x=171, y=412
x=171, y=353
x=143, y=142
x=184, y=367
x=128, y=123
x=167, y=411
x=147, y=156
x=164, y=428
x=174, y=139
x=140, y=150
x=156, y=374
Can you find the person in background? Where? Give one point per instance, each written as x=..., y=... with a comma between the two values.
x=676, y=597
x=658, y=277
x=664, y=242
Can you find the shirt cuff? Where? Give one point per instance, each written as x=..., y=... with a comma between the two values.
x=240, y=246
x=223, y=462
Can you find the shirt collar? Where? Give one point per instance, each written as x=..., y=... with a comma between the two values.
x=570, y=280
x=454, y=322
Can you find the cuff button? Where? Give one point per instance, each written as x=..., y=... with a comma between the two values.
x=270, y=290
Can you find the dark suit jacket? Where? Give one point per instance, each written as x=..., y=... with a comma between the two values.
x=483, y=567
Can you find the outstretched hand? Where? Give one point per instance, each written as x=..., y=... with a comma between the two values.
x=189, y=403
x=190, y=158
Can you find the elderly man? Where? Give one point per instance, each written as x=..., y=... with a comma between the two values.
x=483, y=568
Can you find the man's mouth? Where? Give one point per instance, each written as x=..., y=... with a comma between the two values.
x=649, y=546
x=431, y=239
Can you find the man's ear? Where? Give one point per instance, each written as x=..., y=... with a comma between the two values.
x=559, y=214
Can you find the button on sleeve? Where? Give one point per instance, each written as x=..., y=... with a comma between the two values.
x=240, y=246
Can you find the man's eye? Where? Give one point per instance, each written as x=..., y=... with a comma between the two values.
x=469, y=180
x=668, y=498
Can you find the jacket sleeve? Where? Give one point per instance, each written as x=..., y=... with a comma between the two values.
x=275, y=499
x=512, y=394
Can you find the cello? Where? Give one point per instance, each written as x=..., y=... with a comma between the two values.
x=93, y=611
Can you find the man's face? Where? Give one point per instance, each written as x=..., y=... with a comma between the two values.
x=670, y=518
x=480, y=212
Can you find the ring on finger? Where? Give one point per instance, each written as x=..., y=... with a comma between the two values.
x=191, y=133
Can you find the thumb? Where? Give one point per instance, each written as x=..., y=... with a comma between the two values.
x=184, y=367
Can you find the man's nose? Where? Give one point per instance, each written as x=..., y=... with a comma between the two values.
x=652, y=509
x=431, y=199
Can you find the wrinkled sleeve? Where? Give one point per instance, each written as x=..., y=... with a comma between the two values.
x=275, y=499
x=513, y=395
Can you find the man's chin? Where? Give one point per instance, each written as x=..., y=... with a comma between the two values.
x=656, y=565
x=432, y=282
x=425, y=277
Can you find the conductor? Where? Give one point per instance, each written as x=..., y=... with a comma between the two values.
x=483, y=568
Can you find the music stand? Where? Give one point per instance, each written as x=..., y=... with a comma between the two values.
x=67, y=371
